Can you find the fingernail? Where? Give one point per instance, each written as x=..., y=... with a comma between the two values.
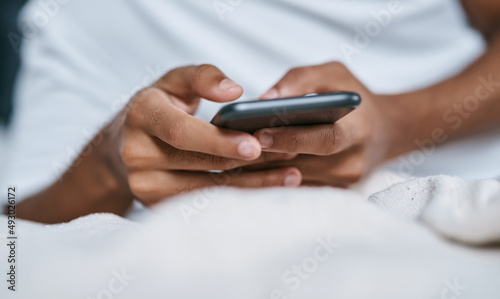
x=227, y=84
x=266, y=140
x=248, y=150
x=292, y=180
x=271, y=94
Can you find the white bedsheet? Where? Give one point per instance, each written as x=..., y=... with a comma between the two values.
x=271, y=243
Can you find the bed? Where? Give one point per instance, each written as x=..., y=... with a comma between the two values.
x=432, y=237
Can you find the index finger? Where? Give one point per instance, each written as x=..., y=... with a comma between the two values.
x=315, y=140
x=153, y=112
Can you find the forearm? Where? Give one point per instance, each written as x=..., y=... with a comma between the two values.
x=90, y=185
x=458, y=106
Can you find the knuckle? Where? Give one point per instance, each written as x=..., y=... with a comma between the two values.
x=266, y=181
x=147, y=95
x=167, y=77
x=308, y=71
x=146, y=186
x=293, y=74
x=172, y=75
x=294, y=71
x=139, y=185
x=133, y=115
x=299, y=72
x=220, y=162
x=137, y=158
x=173, y=133
x=337, y=67
x=200, y=72
x=330, y=141
x=271, y=179
x=128, y=156
x=128, y=152
x=293, y=144
x=139, y=104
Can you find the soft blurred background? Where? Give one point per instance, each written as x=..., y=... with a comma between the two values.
x=8, y=55
x=9, y=62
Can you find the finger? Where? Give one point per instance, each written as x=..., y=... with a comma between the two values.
x=310, y=79
x=335, y=183
x=204, y=81
x=151, y=153
x=154, y=186
x=153, y=113
x=315, y=140
x=184, y=160
x=339, y=170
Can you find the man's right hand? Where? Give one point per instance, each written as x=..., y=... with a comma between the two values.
x=160, y=149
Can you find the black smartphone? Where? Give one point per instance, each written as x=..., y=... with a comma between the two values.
x=312, y=109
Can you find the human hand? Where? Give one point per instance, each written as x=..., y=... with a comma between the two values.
x=164, y=150
x=334, y=154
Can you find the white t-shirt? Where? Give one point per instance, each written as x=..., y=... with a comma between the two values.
x=83, y=59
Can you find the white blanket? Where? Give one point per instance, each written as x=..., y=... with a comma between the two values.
x=274, y=243
x=464, y=210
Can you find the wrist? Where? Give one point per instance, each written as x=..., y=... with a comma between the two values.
x=108, y=159
x=90, y=185
x=404, y=119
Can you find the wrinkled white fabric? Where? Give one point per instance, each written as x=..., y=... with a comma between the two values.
x=233, y=243
x=464, y=210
